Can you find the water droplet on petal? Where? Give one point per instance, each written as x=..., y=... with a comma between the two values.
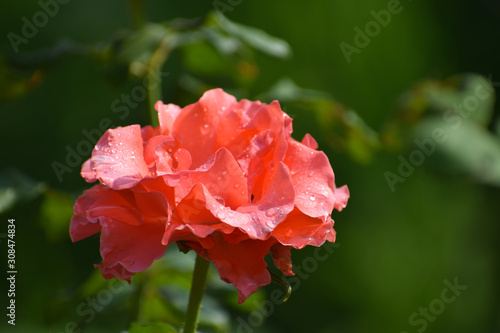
x=236, y=185
x=205, y=129
x=221, y=214
x=271, y=212
x=312, y=198
x=220, y=200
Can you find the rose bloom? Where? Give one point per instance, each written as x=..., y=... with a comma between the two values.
x=222, y=177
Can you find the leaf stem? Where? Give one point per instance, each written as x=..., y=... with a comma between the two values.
x=154, y=75
x=137, y=12
x=196, y=294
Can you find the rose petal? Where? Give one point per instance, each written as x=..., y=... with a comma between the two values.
x=156, y=151
x=109, y=272
x=118, y=205
x=270, y=206
x=282, y=258
x=313, y=179
x=196, y=126
x=341, y=197
x=229, y=259
x=309, y=141
x=117, y=159
x=133, y=247
x=167, y=114
x=221, y=175
x=195, y=215
x=80, y=226
x=299, y=230
x=87, y=173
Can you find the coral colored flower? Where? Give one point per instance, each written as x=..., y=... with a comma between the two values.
x=223, y=177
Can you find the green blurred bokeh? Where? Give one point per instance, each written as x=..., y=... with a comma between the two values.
x=397, y=246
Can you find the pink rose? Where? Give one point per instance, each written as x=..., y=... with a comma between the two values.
x=223, y=177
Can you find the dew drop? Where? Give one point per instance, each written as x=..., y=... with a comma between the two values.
x=236, y=185
x=205, y=129
x=220, y=200
x=312, y=198
x=113, y=151
x=221, y=214
x=271, y=212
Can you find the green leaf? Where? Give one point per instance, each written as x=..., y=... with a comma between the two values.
x=16, y=187
x=286, y=90
x=464, y=149
x=342, y=127
x=470, y=94
x=256, y=38
x=139, y=45
x=151, y=328
x=203, y=59
x=227, y=45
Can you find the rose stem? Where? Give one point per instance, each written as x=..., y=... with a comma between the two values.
x=196, y=294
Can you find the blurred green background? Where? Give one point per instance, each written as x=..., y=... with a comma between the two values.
x=401, y=245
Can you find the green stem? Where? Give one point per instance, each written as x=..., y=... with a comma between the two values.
x=154, y=95
x=196, y=294
x=137, y=12
x=154, y=76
